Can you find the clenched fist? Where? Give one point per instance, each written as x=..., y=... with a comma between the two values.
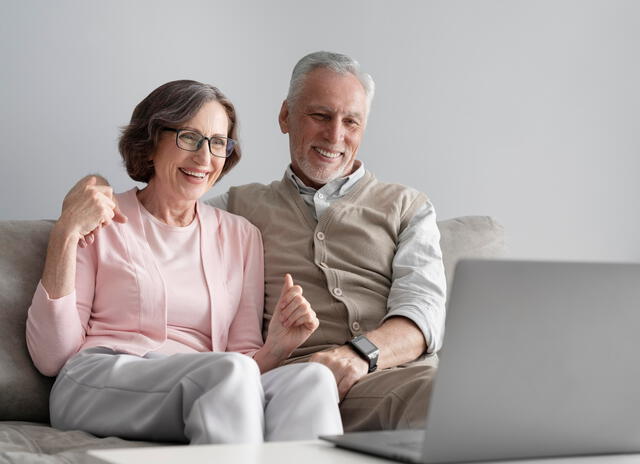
x=293, y=320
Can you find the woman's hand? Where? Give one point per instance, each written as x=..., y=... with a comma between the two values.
x=293, y=321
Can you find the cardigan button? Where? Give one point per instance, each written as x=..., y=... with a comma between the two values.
x=323, y=264
x=355, y=326
x=337, y=291
x=320, y=235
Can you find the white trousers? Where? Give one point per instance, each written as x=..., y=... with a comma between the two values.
x=196, y=398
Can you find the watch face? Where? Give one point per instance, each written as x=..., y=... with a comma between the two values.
x=365, y=345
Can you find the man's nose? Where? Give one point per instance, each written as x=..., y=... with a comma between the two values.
x=334, y=131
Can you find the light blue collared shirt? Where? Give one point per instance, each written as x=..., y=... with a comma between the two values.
x=418, y=287
x=319, y=200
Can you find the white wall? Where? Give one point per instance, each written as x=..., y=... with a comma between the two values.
x=524, y=110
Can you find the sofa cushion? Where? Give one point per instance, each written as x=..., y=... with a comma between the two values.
x=469, y=237
x=24, y=442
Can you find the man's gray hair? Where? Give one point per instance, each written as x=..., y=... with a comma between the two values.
x=336, y=62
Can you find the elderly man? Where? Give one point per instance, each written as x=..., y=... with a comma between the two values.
x=366, y=253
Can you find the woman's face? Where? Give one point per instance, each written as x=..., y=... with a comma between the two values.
x=182, y=175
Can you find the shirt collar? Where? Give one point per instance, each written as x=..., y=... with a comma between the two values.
x=339, y=186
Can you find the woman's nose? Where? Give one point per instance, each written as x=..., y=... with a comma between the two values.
x=202, y=155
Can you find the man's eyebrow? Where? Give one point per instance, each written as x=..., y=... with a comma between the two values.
x=355, y=115
x=326, y=109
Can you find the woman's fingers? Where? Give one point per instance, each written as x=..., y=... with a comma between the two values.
x=298, y=312
x=308, y=319
x=290, y=302
x=286, y=297
x=293, y=309
x=288, y=283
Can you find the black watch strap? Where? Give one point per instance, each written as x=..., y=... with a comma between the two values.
x=366, y=350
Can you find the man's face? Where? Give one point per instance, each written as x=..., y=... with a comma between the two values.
x=325, y=124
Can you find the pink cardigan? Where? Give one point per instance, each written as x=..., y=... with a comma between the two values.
x=119, y=300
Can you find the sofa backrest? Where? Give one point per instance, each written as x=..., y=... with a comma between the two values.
x=24, y=392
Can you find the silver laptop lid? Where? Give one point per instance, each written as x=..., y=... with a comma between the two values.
x=539, y=359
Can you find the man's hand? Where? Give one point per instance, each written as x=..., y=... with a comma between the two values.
x=398, y=339
x=90, y=202
x=346, y=365
x=86, y=208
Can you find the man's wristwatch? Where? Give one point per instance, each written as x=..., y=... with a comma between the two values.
x=366, y=350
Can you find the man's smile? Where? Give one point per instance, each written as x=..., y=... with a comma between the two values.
x=328, y=153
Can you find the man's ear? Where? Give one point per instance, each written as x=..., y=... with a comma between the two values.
x=283, y=118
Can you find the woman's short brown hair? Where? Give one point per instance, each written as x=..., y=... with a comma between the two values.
x=170, y=105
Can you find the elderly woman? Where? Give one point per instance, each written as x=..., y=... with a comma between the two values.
x=154, y=328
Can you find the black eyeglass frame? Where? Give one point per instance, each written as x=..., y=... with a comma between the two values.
x=228, y=149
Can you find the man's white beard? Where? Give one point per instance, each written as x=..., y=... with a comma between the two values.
x=320, y=175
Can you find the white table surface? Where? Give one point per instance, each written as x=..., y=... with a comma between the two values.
x=299, y=452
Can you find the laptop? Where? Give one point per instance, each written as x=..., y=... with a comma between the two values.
x=540, y=359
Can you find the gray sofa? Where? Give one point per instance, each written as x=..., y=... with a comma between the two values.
x=25, y=436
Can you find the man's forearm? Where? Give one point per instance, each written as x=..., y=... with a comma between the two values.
x=399, y=341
